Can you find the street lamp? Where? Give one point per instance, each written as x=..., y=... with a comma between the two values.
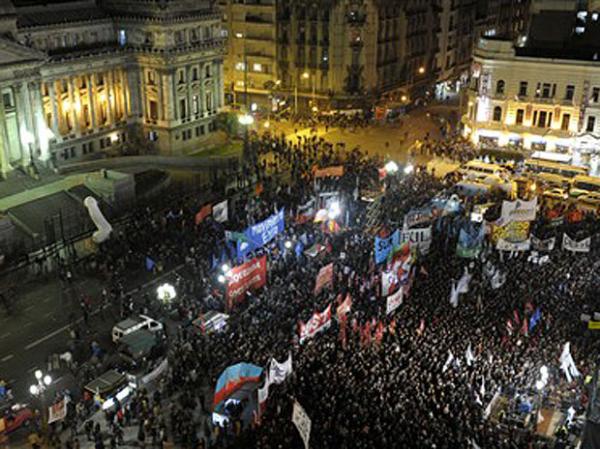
x=304, y=76
x=421, y=70
x=409, y=169
x=391, y=167
x=166, y=292
x=43, y=381
x=246, y=120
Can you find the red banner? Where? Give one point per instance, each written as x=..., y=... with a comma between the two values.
x=335, y=171
x=248, y=276
x=344, y=307
x=325, y=277
x=203, y=213
x=316, y=324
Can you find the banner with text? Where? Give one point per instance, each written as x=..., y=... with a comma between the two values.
x=394, y=301
x=335, y=171
x=542, y=244
x=260, y=234
x=518, y=210
x=317, y=323
x=324, y=278
x=505, y=245
x=582, y=246
x=57, y=411
x=302, y=422
x=249, y=275
x=384, y=246
x=419, y=238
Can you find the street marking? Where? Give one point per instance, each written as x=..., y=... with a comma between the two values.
x=3, y=336
x=29, y=308
x=48, y=314
x=52, y=334
x=7, y=358
x=29, y=323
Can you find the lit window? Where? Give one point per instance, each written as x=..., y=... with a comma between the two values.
x=122, y=38
x=257, y=67
x=240, y=66
x=239, y=35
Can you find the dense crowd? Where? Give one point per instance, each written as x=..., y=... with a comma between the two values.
x=393, y=389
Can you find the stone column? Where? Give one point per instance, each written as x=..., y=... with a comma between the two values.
x=173, y=86
x=134, y=90
x=54, y=105
x=91, y=82
x=21, y=119
x=188, y=89
x=220, y=81
x=203, y=105
x=164, y=97
x=39, y=124
x=126, y=100
x=5, y=166
x=73, y=97
x=110, y=97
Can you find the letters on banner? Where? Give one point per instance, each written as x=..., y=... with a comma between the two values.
x=394, y=301
x=383, y=246
x=505, y=245
x=302, y=422
x=324, y=278
x=249, y=275
x=57, y=411
x=515, y=231
x=542, y=244
x=317, y=323
x=518, y=211
x=419, y=238
x=220, y=212
x=582, y=246
x=261, y=233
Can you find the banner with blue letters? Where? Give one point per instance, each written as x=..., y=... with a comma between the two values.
x=260, y=234
x=383, y=247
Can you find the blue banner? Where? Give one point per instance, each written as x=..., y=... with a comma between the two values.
x=383, y=247
x=260, y=234
x=470, y=241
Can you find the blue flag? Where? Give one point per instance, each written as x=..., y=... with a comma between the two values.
x=299, y=248
x=535, y=318
x=149, y=264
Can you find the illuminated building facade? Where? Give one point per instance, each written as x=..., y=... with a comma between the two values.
x=538, y=103
x=83, y=77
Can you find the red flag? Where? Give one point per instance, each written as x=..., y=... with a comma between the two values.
x=379, y=333
x=421, y=328
x=392, y=326
x=203, y=213
x=525, y=328
x=516, y=315
x=509, y=327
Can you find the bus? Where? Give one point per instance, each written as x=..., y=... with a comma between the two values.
x=584, y=185
x=553, y=173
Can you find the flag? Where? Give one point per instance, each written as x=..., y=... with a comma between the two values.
x=263, y=395
x=204, y=212
x=509, y=327
x=449, y=360
x=470, y=358
x=524, y=329
x=379, y=333
x=482, y=389
x=567, y=364
x=220, y=212
x=278, y=372
x=463, y=282
x=149, y=264
x=516, y=317
x=535, y=318
x=421, y=328
x=454, y=295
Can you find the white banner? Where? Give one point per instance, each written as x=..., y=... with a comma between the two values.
x=220, y=212
x=317, y=323
x=542, y=244
x=505, y=245
x=583, y=246
x=389, y=280
x=394, y=301
x=278, y=372
x=103, y=226
x=57, y=411
x=419, y=238
x=153, y=375
x=518, y=211
x=302, y=422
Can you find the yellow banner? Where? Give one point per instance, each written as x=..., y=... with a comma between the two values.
x=594, y=325
x=515, y=231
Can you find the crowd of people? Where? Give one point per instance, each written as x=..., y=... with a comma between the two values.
x=389, y=386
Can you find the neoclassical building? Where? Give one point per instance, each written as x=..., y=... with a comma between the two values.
x=87, y=76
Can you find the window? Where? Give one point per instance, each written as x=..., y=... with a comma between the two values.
x=566, y=120
x=542, y=117
x=195, y=74
x=153, y=110
x=538, y=90
x=497, y=114
x=255, y=67
x=150, y=77
x=7, y=99
x=181, y=75
x=596, y=94
x=546, y=90
x=199, y=130
x=591, y=124
x=182, y=108
x=500, y=87
x=570, y=92
x=240, y=66
x=209, y=101
x=520, y=115
x=195, y=105
x=179, y=36
x=99, y=80
x=122, y=38
x=153, y=136
x=523, y=89
x=208, y=71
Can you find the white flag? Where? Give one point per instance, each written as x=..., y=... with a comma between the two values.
x=449, y=360
x=220, y=212
x=567, y=364
x=454, y=295
x=463, y=283
x=58, y=411
x=278, y=372
x=498, y=280
x=302, y=422
x=469, y=355
x=482, y=389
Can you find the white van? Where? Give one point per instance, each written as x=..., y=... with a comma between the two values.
x=133, y=324
x=479, y=170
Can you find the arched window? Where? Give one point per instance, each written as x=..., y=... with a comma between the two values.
x=500, y=87
x=497, y=114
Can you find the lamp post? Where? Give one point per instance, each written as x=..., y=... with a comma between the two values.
x=246, y=120
x=38, y=390
x=304, y=76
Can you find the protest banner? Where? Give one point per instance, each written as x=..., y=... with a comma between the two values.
x=317, y=323
x=505, y=245
x=582, y=246
x=419, y=238
x=394, y=301
x=278, y=372
x=249, y=275
x=302, y=422
x=470, y=241
x=260, y=234
x=515, y=231
x=518, y=210
x=383, y=246
x=542, y=244
x=325, y=277
x=344, y=307
x=416, y=217
x=57, y=411
x=335, y=171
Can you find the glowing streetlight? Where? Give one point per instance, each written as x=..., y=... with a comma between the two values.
x=267, y=125
x=246, y=120
x=288, y=244
x=34, y=390
x=221, y=279
x=334, y=210
x=404, y=98
x=409, y=169
x=225, y=268
x=47, y=380
x=166, y=292
x=421, y=70
x=391, y=167
x=38, y=374
x=305, y=75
